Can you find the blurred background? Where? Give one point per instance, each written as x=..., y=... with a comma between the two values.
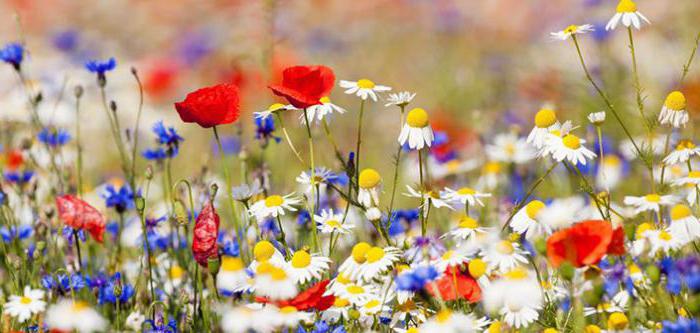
x=478, y=67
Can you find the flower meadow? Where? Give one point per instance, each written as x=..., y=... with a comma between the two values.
x=296, y=216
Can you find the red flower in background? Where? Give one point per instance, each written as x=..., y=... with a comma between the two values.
x=206, y=230
x=14, y=159
x=78, y=214
x=311, y=298
x=585, y=243
x=454, y=284
x=210, y=106
x=304, y=86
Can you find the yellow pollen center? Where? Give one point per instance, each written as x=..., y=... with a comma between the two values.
x=533, y=208
x=263, y=250
x=626, y=6
x=333, y=223
x=365, y=84
x=492, y=167
x=545, y=118
x=369, y=178
x=571, y=141
x=25, y=300
x=288, y=309
x=505, y=247
x=355, y=289
x=342, y=279
x=685, y=144
x=642, y=228
x=466, y=191
x=231, y=264
x=612, y=160
x=417, y=118
x=278, y=274
x=694, y=174
x=467, y=222
x=79, y=306
x=665, y=236
x=375, y=254
x=176, y=272
x=652, y=198
x=301, y=259
x=443, y=315
x=273, y=201
x=477, y=268
x=570, y=29
x=275, y=107
x=617, y=321
x=340, y=302
x=675, y=101
x=371, y=304
x=634, y=269
x=447, y=255
x=325, y=99
x=359, y=252
x=679, y=212
x=516, y=274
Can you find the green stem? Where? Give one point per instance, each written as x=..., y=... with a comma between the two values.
x=359, y=143
x=527, y=196
x=314, y=189
x=229, y=189
x=423, y=224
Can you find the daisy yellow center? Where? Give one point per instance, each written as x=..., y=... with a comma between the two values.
x=447, y=255
x=505, y=247
x=417, y=118
x=365, y=84
x=571, y=141
x=369, y=178
x=443, y=316
x=642, y=228
x=275, y=107
x=79, y=306
x=477, y=268
x=274, y=201
x=355, y=289
x=634, y=269
x=402, y=268
x=652, y=198
x=665, y=236
x=617, y=321
x=571, y=29
x=333, y=223
x=359, y=252
x=550, y=330
x=533, y=208
x=301, y=259
x=324, y=99
x=263, y=250
x=25, y=300
x=592, y=329
x=371, y=304
x=516, y=274
x=176, y=272
x=626, y=6
x=453, y=165
x=278, y=274
x=265, y=268
x=545, y=118
x=492, y=167
x=412, y=330
x=231, y=263
x=288, y=309
x=467, y=222
x=679, y=212
x=694, y=174
x=340, y=302
x=685, y=144
x=675, y=101
x=375, y=254
x=466, y=191
x=612, y=160
x=495, y=327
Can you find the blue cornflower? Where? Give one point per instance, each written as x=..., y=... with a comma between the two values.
x=416, y=279
x=230, y=144
x=66, y=40
x=264, y=127
x=159, y=325
x=100, y=67
x=63, y=283
x=122, y=199
x=67, y=233
x=228, y=244
x=19, y=177
x=53, y=137
x=682, y=325
x=155, y=154
x=108, y=293
x=24, y=231
x=304, y=217
x=12, y=53
x=168, y=141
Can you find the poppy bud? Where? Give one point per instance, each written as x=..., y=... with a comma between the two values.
x=78, y=91
x=180, y=213
x=567, y=270
x=206, y=230
x=653, y=273
x=213, y=265
x=140, y=204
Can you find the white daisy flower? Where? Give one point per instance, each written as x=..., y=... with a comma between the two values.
x=684, y=226
x=597, y=118
x=673, y=112
x=318, y=112
x=400, y=99
x=450, y=258
x=370, y=184
x=504, y=255
x=338, y=310
x=67, y=315
x=417, y=131
x=274, y=282
x=273, y=206
x=305, y=267
x=662, y=241
x=467, y=227
x=322, y=176
x=561, y=213
x=649, y=202
x=572, y=30
x=274, y=108
x=232, y=276
x=363, y=88
x=351, y=266
x=358, y=293
x=568, y=147
x=248, y=318
x=691, y=184
x=509, y=148
x=328, y=222
x=378, y=260
x=24, y=307
x=683, y=152
x=526, y=220
x=610, y=172
x=289, y=317
x=517, y=297
x=617, y=304
x=454, y=322
x=628, y=14
x=245, y=192
x=429, y=198
x=135, y=320
x=264, y=251
x=545, y=121
x=374, y=306
x=465, y=195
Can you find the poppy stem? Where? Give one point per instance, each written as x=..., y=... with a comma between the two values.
x=227, y=177
x=314, y=188
x=79, y=262
x=289, y=141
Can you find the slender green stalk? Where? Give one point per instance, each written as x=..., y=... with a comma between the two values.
x=229, y=189
x=314, y=189
x=394, y=185
x=134, y=149
x=358, y=144
x=424, y=222
x=532, y=189
x=686, y=67
x=289, y=141
x=79, y=161
x=637, y=85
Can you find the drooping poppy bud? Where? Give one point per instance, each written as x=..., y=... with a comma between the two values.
x=78, y=214
x=210, y=106
x=304, y=86
x=206, y=230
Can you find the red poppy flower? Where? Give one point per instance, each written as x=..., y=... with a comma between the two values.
x=210, y=106
x=304, y=86
x=454, y=284
x=308, y=299
x=584, y=243
x=206, y=230
x=78, y=214
x=14, y=159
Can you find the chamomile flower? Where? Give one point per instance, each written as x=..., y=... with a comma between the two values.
x=572, y=30
x=526, y=220
x=264, y=251
x=245, y=192
x=684, y=226
x=561, y=213
x=363, y=88
x=545, y=121
x=430, y=198
x=568, y=147
x=289, y=317
x=628, y=14
x=24, y=307
x=321, y=177
x=464, y=196
x=232, y=275
x=304, y=267
x=318, y=112
x=400, y=99
x=517, y=297
x=68, y=315
x=328, y=222
x=450, y=258
x=509, y=148
x=683, y=152
x=448, y=321
x=272, y=109
x=370, y=184
x=649, y=202
x=274, y=282
x=596, y=118
x=691, y=183
x=351, y=266
x=504, y=255
x=378, y=260
x=610, y=172
x=374, y=306
x=357, y=293
x=662, y=241
x=248, y=318
x=417, y=131
x=673, y=112
x=467, y=227
x=618, y=303
x=273, y=206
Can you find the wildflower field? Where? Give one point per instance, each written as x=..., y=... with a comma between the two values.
x=335, y=166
